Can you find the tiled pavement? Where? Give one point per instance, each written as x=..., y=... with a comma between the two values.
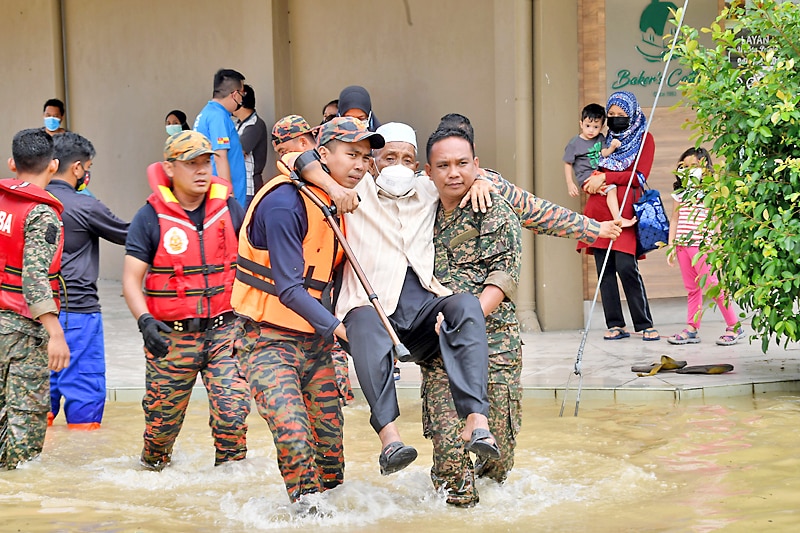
x=548, y=360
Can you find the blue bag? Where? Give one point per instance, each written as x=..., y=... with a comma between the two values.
x=652, y=226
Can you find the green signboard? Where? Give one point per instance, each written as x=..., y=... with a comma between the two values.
x=637, y=41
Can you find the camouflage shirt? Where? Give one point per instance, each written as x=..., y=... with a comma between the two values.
x=478, y=249
x=37, y=256
x=542, y=216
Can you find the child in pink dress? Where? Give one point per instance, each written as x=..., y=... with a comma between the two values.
x=686, y=236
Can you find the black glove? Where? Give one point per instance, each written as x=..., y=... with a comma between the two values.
x=155, y=343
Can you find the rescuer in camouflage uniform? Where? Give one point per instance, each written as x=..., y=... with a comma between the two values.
x=31, y=338
x=182, y=244
x=286, y=328
x=479, y=253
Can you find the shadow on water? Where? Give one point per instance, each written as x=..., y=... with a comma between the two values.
x=694, y=467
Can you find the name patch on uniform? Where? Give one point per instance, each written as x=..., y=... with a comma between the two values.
x=5, y=222
x=175, y=241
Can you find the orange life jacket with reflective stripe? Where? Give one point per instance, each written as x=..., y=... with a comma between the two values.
x=193, y=268
x=254, y=293
x=17, y=198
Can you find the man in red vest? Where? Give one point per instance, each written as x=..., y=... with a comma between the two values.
x=31, y=338
x=182, y=245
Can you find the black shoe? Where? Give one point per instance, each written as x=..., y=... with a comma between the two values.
x=395, y=456
x=396, y=373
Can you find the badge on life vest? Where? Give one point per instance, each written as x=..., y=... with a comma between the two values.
x=175, y=241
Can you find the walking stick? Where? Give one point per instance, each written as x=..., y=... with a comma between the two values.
x=400, y=351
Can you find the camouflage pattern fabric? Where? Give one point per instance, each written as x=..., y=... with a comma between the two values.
x=24, y=376
x=24, y=397
x=288, y=128
x=541, y=216
x=293, y=383
x=169, y=382
x=472, y=250
x=341, y=366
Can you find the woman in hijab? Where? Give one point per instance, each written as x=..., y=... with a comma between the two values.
x=626, y=122
x=354, y=101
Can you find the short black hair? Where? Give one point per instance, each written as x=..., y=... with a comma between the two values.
x=32, y=150
x=54, y=102
x=445, y=133
x=181, y=116
x=226, y=81
x=593, y=112
x=457, y=121
x=70, y=147
x=249, y=98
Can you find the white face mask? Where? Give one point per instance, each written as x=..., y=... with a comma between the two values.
x=397, y=180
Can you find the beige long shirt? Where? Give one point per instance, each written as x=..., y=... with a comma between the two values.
x=387, y=235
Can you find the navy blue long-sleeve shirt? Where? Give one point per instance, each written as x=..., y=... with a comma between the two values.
x=86, y=220
x=280, y=224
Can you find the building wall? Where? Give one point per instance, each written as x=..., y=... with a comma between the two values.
x=512, y=66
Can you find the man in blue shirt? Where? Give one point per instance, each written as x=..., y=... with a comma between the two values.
x=216, y=123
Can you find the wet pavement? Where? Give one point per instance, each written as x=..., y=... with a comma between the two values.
x=548, y=360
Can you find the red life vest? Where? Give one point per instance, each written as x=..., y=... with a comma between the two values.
x=18, y=198
x=254, y=293
x=192, y=272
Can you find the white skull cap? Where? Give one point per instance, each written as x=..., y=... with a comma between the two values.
x=398, y=132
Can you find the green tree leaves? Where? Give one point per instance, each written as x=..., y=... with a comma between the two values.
x=746, y=94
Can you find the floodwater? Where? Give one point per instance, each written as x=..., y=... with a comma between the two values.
x=731, y=465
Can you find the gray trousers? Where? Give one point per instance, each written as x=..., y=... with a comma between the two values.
x=461, y=344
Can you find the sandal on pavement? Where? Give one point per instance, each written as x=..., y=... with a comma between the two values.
x=395, y=456
x=482, y=443
x=721, y=368
x=666, y=363
x=731, y=336
x=650, y=334
x=616, y=333
x=685, y=337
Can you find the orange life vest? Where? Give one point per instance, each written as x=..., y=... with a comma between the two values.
x=18, y=198
x=254, y=293
x=193, y=269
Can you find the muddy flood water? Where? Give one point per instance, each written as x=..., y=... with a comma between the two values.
x=731, y=465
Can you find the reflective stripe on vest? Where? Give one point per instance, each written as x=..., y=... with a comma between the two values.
x=254, y=292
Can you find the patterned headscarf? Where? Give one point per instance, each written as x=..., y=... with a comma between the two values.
x=631, y=138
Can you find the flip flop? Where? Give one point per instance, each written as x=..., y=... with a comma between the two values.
x=721, y=368
x=647, y=331
x=618, y=333
x=395, y=456
x=483, y=444
x=667, y=363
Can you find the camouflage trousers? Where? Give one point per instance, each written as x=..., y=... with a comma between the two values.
x=24, y=397
x=453, y=471
x=293, y=382
x=169, y=382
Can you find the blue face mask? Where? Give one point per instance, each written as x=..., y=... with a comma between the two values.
x=172, y=129
x=52, y=123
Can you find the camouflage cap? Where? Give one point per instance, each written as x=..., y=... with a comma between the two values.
x=288, y=128
x=349, y=130
x=186, y=145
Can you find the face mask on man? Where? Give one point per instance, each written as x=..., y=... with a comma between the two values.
x=618, y=124
x=172, y=129
x=397, y=180
x=52, y=123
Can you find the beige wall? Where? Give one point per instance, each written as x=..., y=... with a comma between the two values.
x=30, y=36
x=128, y=63
x=558, y=272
